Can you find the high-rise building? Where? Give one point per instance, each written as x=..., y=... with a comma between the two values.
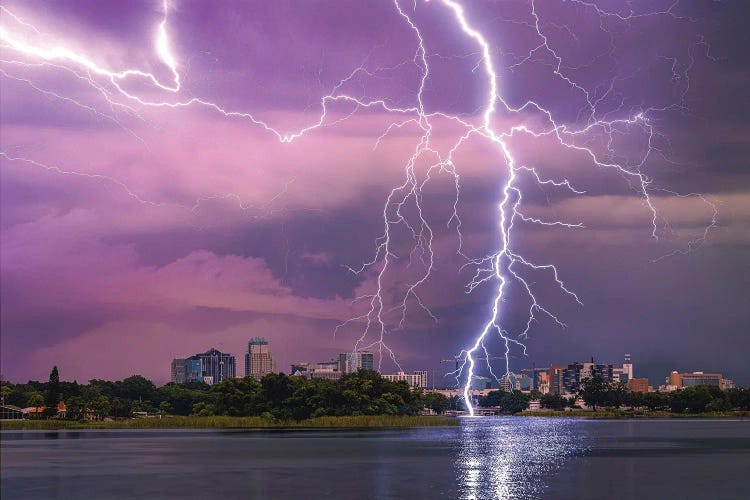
x=215, y=366
x=194, y=370
x=350, y=362
x=178, y=371
x=624, y=372
x=258, y=359
x=627, y=367
x=576, y=373
x=209, y=367
x=539, y=378
x=556, y=379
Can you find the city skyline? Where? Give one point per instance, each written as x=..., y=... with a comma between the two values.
x=130, y=226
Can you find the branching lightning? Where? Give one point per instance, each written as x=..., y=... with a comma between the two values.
x=33, y=49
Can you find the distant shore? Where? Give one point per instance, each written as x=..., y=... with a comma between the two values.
x=620, y=414
x=223, y=422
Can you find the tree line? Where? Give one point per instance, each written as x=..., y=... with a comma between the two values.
x=599, y=393
x=365, y=392
x=276, y=395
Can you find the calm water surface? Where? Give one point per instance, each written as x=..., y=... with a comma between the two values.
x=489, y=457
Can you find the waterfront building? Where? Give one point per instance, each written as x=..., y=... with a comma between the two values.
x=727, y=383
x=10, y=412
x=638, y=384
x=258, y=358
x=680, y=380
x=350, y=362
x=416, y=380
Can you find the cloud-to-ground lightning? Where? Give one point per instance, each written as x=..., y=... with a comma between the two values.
x=29, y=47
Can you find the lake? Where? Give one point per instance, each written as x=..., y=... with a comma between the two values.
x=486, y=457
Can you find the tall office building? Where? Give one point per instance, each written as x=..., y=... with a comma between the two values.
x=210, y=367
x=258, y=359
x=627, y=367
x=178, y=371
x=350, y=362
x=576, y=373
x=215, y=366
x=556, y=379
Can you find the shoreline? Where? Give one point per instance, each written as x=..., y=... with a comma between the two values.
x=224, y=422
x=625, y=415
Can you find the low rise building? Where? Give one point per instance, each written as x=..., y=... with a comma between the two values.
x=416, y=380
x=638, y=385
x=10, y=412
x=682, y=380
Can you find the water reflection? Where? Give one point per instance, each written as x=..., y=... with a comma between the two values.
x=507, y=457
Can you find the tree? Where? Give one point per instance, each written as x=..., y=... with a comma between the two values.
x=739, y=398
x=698, y=399
x=553, y=402
x=75, y=408
x=36, y=399
x=135, y=388
x=165, y=407
x=594, y=391
x=237, y=397
x=101, y=407
x=52, y=394
x=515, y=402
x=5, y=391
x=203, y=409
x=436, y=402
x=655, y=400
x=493, y=398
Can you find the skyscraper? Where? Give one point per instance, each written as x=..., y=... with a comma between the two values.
x=178, y=371
x=350, y=362
x=258, y=359
x=210, y=367
x=215, y=366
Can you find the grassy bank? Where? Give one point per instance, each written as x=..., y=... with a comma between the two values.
x=232, y=423
x=631, y=414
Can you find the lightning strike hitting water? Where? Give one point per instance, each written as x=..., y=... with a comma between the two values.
x=31, y=48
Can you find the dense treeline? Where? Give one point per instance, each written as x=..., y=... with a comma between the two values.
x=276, y=396
x=283, y=397
x=507, y=402
x=598, y=393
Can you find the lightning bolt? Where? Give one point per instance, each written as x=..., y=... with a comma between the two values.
x=403, y=207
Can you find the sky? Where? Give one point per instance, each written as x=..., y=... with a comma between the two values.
x=133, y=233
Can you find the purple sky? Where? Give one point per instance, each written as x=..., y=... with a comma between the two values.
x=132, y=235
